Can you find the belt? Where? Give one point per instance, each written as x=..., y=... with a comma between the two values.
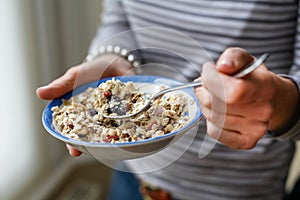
x=150, y=192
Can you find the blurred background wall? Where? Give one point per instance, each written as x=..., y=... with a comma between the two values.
x=40, y=39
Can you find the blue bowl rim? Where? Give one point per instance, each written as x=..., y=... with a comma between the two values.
x=47, y=113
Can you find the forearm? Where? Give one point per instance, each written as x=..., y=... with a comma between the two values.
x=286, y=105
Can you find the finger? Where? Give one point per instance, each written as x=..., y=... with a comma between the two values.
x=203, y=96
x=208, y=100
x=255, y=86
x=59, y=86
x=237, y=119
x=225, y=87
x=253, y=118
x=242, y=119
x=255, y=110
x=256, y=103
x=232, y=60
x=213, y=80
x=234, y=122
x=230, y=138
x=73, y=152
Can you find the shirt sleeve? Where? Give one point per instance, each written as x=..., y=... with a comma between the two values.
x=294, y=131
x=294, y=75
x=115, y=28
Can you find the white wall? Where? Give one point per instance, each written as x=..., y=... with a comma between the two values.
x=35, y=48
x=19, y=153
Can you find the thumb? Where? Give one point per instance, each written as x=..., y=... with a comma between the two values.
x=59, y=86
x=233, y=60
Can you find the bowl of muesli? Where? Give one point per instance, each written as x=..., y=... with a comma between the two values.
x=78, y=117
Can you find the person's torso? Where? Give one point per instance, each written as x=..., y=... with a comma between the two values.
x=179, y=36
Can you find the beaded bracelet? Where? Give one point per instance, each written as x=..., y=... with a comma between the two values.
x=110, y=49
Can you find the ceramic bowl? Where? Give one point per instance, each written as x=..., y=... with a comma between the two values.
x=127, y=150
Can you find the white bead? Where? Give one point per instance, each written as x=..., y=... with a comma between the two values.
x=89, y=58
x=135, y=64
x=94, y=53
x=109, y=48
x=130, y=58
x=117, y=49
x=101, y=49
x=113, y=49
x=124, y=52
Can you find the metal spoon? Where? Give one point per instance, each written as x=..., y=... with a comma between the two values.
x=243, y=72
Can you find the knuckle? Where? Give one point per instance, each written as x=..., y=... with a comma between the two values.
x=262, y=111
x=72, y=70
x=71, y=73
x=212, y=132
x=261, y=129
x=208, y=116
x=250, y=140
x=235, y=93
x=206, y=102
x=266, y=112
x=247, y=143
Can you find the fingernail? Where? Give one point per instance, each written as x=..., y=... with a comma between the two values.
x=42, y=87
x=225, y=63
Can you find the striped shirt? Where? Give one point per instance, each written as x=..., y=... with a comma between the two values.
x=174, y=38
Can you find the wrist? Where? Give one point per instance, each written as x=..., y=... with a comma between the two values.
x=109, y=61
x=117, y=51
x=285, y=105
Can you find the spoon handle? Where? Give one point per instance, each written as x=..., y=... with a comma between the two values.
x=243, y=72
x=186, y=85
x=248, y=69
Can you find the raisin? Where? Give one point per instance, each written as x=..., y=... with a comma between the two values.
x=107, y=94
x=125, y=135
x=110, y=137
x=114, y=124
x=70, y=125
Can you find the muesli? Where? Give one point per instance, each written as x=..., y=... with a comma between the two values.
x=81, y=118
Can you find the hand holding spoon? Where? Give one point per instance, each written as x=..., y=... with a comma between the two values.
x=243, y=72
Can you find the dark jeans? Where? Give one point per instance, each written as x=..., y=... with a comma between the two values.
x=124, y=186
